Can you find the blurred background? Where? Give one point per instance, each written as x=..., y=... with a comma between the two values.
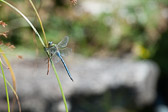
x=119, y=60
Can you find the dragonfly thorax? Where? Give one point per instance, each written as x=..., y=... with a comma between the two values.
x=52, y=48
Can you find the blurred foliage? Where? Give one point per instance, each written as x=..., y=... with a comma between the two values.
x=134, y=28
x=139, y=28
x=87, y=34
x=161, y=54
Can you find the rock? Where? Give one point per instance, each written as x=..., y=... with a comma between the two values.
x=40, y=92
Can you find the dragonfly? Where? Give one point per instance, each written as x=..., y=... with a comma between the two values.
x=58, y=51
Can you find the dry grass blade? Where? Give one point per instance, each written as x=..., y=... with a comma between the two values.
x=12, y=74
x=13, y=92
x=41, y=24
x=3, y=63
x=28, y=21
x=6, y=88
x=10, y=69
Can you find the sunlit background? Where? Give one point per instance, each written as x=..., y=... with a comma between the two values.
x=119, y=59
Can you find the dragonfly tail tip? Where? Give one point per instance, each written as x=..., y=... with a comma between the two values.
x=72, y=80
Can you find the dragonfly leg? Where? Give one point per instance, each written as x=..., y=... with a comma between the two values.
x=48, y=66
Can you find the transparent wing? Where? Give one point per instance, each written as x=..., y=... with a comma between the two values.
x=52, y=50
x=65, y=51
x=56, y=59
x=63, y=43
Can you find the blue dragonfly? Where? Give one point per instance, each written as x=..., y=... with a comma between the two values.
x=58, y=51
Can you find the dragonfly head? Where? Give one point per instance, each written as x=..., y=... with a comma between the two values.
x=50, y=43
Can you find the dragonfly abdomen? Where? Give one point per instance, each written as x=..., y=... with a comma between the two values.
x=66, y=68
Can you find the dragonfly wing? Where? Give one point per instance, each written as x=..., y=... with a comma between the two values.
x=56, y=59
x=52, y=50
x=65, y=51
x=64, y=42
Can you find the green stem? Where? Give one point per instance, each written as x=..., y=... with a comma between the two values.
x=13, y=92
x=41, y=24
x=26, y=20
x=59, y=83
x=6, y=89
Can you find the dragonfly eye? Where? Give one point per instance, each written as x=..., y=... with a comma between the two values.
x=50, y=43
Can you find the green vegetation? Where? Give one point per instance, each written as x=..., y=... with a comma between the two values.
x=134, y=28
x=6, y=89
x=44, y=46
x=137, y=28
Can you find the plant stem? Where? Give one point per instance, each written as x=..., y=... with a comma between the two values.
x=13, y=92
x=12, y=75
x=41, y=24
x=26, y=20
x=6, y=89
x=59, y=83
